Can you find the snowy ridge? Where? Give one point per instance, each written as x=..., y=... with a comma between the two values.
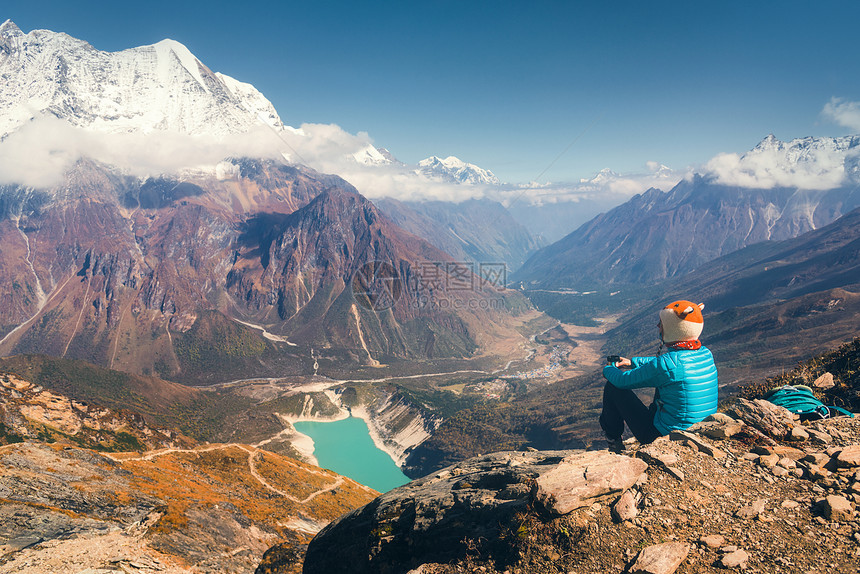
x=814, y=154
x=371, y=156
x=810, y=163
x=162, y=87
x=454, y=170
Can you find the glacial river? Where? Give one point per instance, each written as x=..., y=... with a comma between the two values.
x=345, y=447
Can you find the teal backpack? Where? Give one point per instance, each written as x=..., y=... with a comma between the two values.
x=800, y=400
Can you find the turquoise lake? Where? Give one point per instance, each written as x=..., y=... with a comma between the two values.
x=345, y=447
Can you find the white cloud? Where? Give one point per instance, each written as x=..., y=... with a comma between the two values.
x=807, y=163
x=844, y=113
x=39, y=153
x=606, y=187
x=329, y=149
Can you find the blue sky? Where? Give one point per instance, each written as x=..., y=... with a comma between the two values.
x=510, y=85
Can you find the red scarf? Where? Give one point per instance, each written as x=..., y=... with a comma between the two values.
x=688, y=345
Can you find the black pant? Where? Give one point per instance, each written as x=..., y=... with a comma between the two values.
x=623, y=406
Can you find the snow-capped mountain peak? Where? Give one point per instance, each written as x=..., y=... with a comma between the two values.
x=454, y=170
x=9, y=29
x=161, y=87
x=603, y=176
x=171, y=48
x=369, y=155
x=815, y=163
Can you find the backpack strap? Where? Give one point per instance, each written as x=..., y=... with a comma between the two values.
x=843, y=411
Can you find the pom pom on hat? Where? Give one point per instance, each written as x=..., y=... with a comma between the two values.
x=682, y=321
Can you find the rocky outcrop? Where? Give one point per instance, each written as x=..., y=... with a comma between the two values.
x=703, y=504
x=29, y=411
x=476, y=500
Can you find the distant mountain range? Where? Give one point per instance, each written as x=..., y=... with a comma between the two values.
x=454, y=170
x=476, y=230
x=659, y=234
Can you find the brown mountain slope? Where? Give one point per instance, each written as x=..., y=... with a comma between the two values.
x=157, y=276
x=479, y=230
x=32, y=412
x=309, y=270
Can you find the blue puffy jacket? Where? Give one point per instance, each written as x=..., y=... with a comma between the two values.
x=686, y=383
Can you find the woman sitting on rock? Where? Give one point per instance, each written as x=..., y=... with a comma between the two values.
x=683, y=374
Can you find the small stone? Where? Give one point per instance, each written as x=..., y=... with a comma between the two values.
x=825, y=381
x=657, y=456
x=849, y=457
x=817, y=473
x=768, y=460
x=676, y=472
x=718, y=430
x=779, y=471
x=625, y=507
x=581, y=478
x=788, y=451
x=751, y=456
x=720, y=418
x=713, y=540
x=790, y=504
x=787, y=463
x=734, y=559
x=798, y=434
x=753, y=510
x=660, y=559
x=819, y=436
x=816, y=458
x=837, y=508
x=700, y=443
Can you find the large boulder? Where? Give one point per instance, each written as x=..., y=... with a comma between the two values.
x=465, y=506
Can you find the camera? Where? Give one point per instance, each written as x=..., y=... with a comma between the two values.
x=612, y=359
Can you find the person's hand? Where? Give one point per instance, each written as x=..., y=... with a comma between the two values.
x=624, y=363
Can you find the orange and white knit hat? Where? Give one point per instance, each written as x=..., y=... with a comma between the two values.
x=682, y=321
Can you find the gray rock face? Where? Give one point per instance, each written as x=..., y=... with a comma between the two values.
x=428, y=519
